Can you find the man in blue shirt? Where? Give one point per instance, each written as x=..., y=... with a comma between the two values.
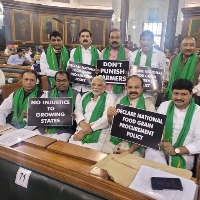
x=18, y=59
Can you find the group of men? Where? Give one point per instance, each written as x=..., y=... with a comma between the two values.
x=95, y=105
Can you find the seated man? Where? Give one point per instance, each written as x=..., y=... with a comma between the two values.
x=62, y=89
x=181, y=138
x=18, y=59
x=91, y=116
x=2, y=78
x=134, y=98
x=16, y=103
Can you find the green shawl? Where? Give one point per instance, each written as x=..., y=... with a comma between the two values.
x=96, y=114
x=19, y=105
x=121, y=55
x=52, y=61
x=177, y=73
x=177, y=160
x=148, y=60
x=78, y=55
x=126, y=102
x=54, y=94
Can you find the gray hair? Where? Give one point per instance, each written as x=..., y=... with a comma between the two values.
x=101, y=78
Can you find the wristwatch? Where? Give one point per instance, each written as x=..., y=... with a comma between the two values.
x=177, y=150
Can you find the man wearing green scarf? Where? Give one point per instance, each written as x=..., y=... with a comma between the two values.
x=181, y=138
x=91, y=116
x=55, y=58
x=185, y=65
x=115, y=51
x=134, y=98
x=62, y=89
x=84, y=53
x=147, y=56
x=15, y=106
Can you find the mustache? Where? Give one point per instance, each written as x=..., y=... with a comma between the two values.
x=133, y=92
x=85, y=40
x=114, y=42
x=178, y=100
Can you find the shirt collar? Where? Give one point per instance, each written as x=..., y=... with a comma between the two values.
x=57, y=51
x=184, y=110
x=133, y=101
x=86, y=49
x=154, y=50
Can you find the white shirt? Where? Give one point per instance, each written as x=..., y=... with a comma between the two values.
x=192, y=140
x=6, y=108
x=2, y=78
x=133, y=103
x=28, y=56
x=158, y=59
x=101, y=123
x=196, y=88
x=44, y=66
x=86, y=59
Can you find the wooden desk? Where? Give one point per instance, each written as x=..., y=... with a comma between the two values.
x=69, y=163
x=15, y=66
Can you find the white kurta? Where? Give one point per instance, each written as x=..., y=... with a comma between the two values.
x=101, y=123
x=158, y=60
x=192, y=141
x=86, y=59
x=109, y=147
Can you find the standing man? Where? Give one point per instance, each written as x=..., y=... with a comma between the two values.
x=17, y=102
x=91, y=116
x=181, y=139
x=185, y=65
x=115, y=51
x=135, y=99
x=148, y=56
x=85, y=53
x=55, y=58
x=62, y=89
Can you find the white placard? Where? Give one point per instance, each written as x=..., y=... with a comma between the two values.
x=14, y=137
x=22, y=177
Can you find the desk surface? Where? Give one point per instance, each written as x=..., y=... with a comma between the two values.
x=70, y=163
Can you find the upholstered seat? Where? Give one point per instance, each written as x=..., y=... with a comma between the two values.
x=40, y=186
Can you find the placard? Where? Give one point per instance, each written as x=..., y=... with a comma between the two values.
x=81, y=73
x=152, y=77
x=50, y=111
x=138, y=126
x=113, y=71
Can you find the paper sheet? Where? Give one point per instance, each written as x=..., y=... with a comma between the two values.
x=142, y=183
x=16, y=136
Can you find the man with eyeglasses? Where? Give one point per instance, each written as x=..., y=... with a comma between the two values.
x=14, y=108
x=55, y=58
x=185, y=65
x=115, y=51
x=85, y=53
x=62, y=89
x=148, y=56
